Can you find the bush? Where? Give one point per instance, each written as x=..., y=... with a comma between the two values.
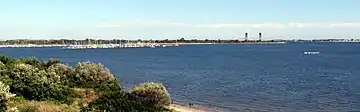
x=2, y=66
x=61, y=94
x=18, y=99
x=89, y=86
x=30, y=61
x=29, y=74
x=4, y=77
x=5, y=96
x=7, y=60
x=123, y=102
x=91, y=75
x=152, y=91
x=63, y=72
x=50, y=63
x=35, y=84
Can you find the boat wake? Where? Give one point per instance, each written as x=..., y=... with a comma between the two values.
x=311, y=52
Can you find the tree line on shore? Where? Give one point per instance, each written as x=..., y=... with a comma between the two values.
x=181, y=40
x=33, y=85
x=116, y=41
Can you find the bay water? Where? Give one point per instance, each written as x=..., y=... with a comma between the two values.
x=234, y=77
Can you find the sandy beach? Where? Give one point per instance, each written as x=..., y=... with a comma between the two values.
x=185, y=108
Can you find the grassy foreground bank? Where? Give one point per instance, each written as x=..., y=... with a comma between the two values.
x=33, y=85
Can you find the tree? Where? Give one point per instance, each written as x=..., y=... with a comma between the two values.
x=182, y=39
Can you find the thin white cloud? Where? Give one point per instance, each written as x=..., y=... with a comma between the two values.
x=285, y=25
x=352, y=25
x=260, y=25
x=156, y=23
x=139, y=22
x=219, y=25
x=306, y=25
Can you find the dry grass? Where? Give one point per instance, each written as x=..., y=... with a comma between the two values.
x=44, y=106
x=87, y=96
x=184, y=108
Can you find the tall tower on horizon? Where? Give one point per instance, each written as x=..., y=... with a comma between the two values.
x=260, y=36
x=246, y=36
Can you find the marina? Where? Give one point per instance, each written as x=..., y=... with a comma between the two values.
x=128, y=45
x=94, y=46
x=30, y=45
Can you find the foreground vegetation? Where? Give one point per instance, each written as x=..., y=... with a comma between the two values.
x=32, y=85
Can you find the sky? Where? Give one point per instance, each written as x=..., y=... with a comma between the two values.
x=173, y=19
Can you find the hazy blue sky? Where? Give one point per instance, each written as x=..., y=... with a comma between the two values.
x=160, y=19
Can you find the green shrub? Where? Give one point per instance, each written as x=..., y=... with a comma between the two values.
x=61, y=94
x=87, y=71
x=26, y=73
x=92, y=75
x=5, y=96
x=7, y=60
x=91, y=85
x=35, y=84
x=59, y=68
x=6, y=79
x=64, y=72
x=123, y=102
x=18, y=99
x=2, y=66
x=4, y=74
x=30, y=61
x=50, y=63
x=152, y=91
x=3, y=103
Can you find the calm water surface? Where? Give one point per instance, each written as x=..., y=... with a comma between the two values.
x=234, y=77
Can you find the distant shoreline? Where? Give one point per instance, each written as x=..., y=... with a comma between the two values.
x=125, y=44
x=182, y=41
x=265, y=42
x=250, y=42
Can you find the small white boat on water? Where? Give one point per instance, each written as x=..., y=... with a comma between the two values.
x=311, y=52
